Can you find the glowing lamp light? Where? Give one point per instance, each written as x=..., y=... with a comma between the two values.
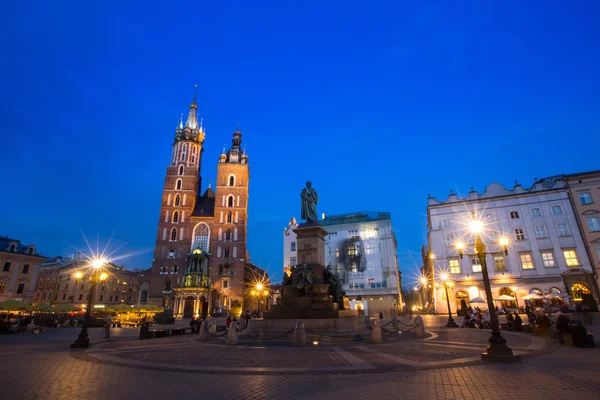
x=103, y=276
x=315, y=343
x=503, y=241
x=444, y=277
x=476, y=226
x=98, y=262
x=459, y=245
x=78, y=275
x=266, y=293
x=423, y=281
x=259, y=286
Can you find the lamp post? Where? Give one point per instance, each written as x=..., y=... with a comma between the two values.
x=514, y=289
x=259, y=292
x=447, y=283
x=96, y=276
x=497, y=351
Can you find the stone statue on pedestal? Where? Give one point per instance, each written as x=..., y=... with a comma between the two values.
x=310, y=198
x=335, y=286
x=305, y=280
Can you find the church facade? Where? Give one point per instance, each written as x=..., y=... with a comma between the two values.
x=200, y=257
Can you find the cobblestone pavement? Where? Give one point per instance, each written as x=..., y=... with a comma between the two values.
x=42, y=367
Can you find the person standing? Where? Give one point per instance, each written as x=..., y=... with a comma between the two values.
x=107, y=324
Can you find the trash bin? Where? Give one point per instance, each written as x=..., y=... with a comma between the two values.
x=578, y=333
x=145, y=331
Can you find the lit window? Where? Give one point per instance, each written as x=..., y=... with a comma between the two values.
x=540, y=232
x=535, y=212
x=293, y=246
x=519, y=234
x=526, y=261
x=352, y=250
x=450, y=240
x=548, y=259
x=594, y=224
x=201, y=237
x=499, y=263
x=292, y=261
x=514, y=215
x=571, y=258
x=562, y=229
x=556, y=210
x=447, y=223
x=585, y=198
x=476, y=264
x=454, y=266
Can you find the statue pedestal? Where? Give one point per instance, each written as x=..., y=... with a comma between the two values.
x=310, y=244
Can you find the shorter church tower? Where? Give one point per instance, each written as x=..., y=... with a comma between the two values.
x=228, y=241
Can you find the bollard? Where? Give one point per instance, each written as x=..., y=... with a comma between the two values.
x=212, y=328
x=232, y=334
x=204, y=331
x=420, y=327
x=299, y=335
x=376, y=337
x=395, y=323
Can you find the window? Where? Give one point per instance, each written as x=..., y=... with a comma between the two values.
x=228, y=235
x=20, y=288
x=293, y=246
x=178, y=185
x=585, y=198
x=226, y=253
x=181, y=170
x=450, y=240
x=476, y=264
x=173, y=234
x=556, y=210
x=110, y=298
x=454, y=266
x=12, y=248
x=80, y=297
x=447, y=223
x=116, y=298
x=176, y=217
x=535, y=212
x=562, y=229
x=540, y=232
x=526, y=261
x=494, y=236
x=175, y=269
x=230, y=201
x=229, y=217
x=548, y=259
x=292, y=261
x=201, y=237
x=499, y=263
x=489, y=218
x=26, y=268
x=519, y=235
x=536, y=291
x=232, y=180
x=177, y=200
x=144, y=296
x=225, y=283
x=571, y=258
x=514, y=215
x=6, y=266
x=594, y=224
x=101, y=297
x=578, y=290
x=64, y=297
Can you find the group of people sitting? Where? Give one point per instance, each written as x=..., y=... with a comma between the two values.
x=474, y=318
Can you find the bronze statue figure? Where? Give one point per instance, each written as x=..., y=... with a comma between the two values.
x=310, y=198
x=335, y=287
x=305, y=280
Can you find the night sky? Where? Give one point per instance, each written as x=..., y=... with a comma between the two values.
x=377, y=105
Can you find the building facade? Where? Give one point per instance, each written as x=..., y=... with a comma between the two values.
x=57, y=283
x=585, y=197
x=200, y=253
x=361, y=249
x=546, y=254
x=20, y=266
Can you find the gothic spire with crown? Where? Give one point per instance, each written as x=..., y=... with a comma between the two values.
x=192, y=119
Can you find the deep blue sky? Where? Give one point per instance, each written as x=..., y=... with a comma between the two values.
x=377, y=105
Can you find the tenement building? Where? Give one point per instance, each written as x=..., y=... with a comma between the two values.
x=361, y=249
x=547, y=253
x=200, y=254
x=20, y=265
x=585, y=196
x=59, y=283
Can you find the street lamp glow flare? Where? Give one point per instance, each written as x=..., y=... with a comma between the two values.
x=476, y=226
x=460, y=245
x=444, y=277
x=259, y=286
x=503, y=241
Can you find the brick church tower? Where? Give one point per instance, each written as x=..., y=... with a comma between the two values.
x=200, y=253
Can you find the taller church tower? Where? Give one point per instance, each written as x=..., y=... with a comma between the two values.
x=180, y=193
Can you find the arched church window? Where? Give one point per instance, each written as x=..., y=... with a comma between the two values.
x=176, y=217
x=178, y=185
x=177, y=200
x=228, y=235
x=226, y=253
x=232, y=180
x=220, y=236
x=181, y=170
x=173, y=234
x=167, y=285
x=229, y=217
x=163, y=269
x=201, y=237
x=230, y=201
x=175, y=269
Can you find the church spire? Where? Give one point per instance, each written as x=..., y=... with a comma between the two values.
x=192, y=119
x=180, y=126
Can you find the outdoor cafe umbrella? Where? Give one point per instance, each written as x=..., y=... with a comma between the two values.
x=66, y=307
x=505, y=297
x=147, y=308
x=477, y=300
x=120, y=307
x=43, y=308
x=14, y=305
x=533, y=296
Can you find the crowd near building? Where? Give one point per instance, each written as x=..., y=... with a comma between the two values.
x=554, y=232
x=361, y=249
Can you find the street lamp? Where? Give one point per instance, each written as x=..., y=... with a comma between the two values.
x=447, y=283
x=96, y=276
x=497, y=350
x=259, y=292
